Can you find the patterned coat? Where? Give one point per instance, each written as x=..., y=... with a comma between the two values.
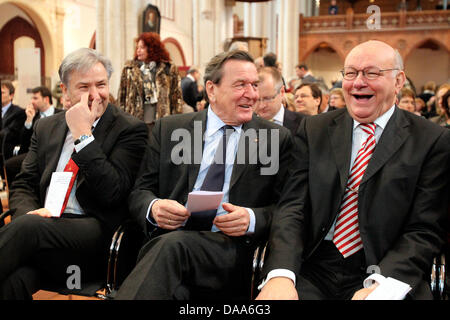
x=131, y=90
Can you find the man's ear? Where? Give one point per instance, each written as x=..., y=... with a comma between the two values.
x=210, y=90
x=400, y=80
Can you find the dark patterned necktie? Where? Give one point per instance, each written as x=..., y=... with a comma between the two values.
x=214, y=181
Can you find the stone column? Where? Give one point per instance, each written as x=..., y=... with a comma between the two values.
x=117, y=28
x=288, y=36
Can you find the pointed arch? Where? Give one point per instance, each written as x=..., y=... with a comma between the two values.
x=12, y=30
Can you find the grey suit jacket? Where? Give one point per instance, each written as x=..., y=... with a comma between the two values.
x=161, y=178
x=403, y=196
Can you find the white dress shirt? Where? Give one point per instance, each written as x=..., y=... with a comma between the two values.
x=73, y=206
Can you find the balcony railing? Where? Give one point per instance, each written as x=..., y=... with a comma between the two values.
x=350, y=22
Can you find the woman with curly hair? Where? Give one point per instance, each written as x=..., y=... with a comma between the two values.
x=150, y=85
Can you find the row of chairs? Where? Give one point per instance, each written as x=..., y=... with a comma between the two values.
x=128, y=239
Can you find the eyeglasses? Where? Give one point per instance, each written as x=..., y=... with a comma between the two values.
x=371, y=73
x=268, y=99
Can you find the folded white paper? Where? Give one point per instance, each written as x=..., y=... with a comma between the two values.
x=203, y=200
x=387, y=289
x=57, y=192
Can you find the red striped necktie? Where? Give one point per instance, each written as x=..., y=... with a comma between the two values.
x=346, y=233
x=71, y=166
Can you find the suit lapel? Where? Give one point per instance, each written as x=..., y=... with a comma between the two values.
x=341, y=133
x=194, y=168
x=393, y=137
x=54, y=148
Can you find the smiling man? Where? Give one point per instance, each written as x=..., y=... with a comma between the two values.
x=211, y=249
x=102, y=147
x=369, y=192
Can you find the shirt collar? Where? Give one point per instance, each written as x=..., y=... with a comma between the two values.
x=280, y=115
x=5, y=108
x=49, y=112
x=381, y=121
x=214, y=124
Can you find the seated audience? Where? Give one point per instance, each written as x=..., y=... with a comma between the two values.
x=100, y=149
x=40, y=107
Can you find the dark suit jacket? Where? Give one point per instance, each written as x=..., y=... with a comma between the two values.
x=190, y=92
x=161, y=178
x=107, y=166
x=12, y=124
x=25, y=137
x=403, y=196
x=292, y=120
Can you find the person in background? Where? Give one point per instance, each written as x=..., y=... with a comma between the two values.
x=150, y=86
x=307, y=98
x=406, y=101
x=446, y=108
x=437, y=99
x=336, y=99
x=333, y=8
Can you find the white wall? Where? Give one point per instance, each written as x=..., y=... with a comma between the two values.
x=79, y=24
x=325, y=64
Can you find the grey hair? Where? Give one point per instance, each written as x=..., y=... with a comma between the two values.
x=398, y=61
x=82, y=60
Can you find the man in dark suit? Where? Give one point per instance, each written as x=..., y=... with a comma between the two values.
x=189, y=87
x=304, y=74
x=213, y=253
x=103, y=148
x=13, y=118
x=270, y=103
x=369, y=193
x=40, y=107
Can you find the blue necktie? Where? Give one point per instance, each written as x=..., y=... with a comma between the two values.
x=214, y=180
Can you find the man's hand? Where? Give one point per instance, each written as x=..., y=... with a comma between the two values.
x=169, y=214
x=235, y=223
x=363, y=293
x=278, y=288
x=30, y=112
x=81, y=117
x=41, y=212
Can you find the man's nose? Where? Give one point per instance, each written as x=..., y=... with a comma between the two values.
x=93, y=94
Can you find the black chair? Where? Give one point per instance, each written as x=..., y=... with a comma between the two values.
x=439, y=280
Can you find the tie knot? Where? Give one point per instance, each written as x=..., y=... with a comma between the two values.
x=369, y=128
x=225, y=129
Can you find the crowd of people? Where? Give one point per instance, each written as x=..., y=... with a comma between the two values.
x=334, y=180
